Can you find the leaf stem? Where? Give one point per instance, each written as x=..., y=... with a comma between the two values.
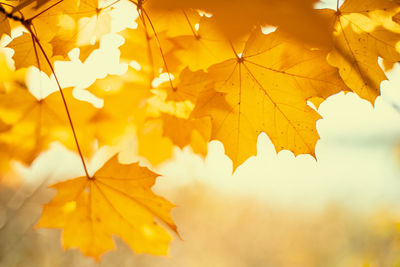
x=190, y=25
x=36, y=40
x=159, y=46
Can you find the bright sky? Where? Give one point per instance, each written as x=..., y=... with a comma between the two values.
x=357, y=162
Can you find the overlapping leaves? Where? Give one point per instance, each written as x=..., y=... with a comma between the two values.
x=228, y=85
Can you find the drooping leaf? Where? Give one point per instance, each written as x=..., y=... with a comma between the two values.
x=265, y=89
x=360, y=39
x=116, y=200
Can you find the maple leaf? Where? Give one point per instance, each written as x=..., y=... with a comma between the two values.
x=25, y=3
x=203, y=47
x=4, y=25
x=34, y=123
x=70, y=36
x=212, y=92
x=126, y=94
x=116, y=200
x=150, y=58
x=187, y=87
x=150, y=138
x=183, y=132
x=28, y=53
x=360, y=39
x=237, y=18
x=58, y=27
x=265, y=89
x=174, y=22
x=153, y=37
x=81, y=28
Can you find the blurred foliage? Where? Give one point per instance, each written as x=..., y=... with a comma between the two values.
x=217, y=229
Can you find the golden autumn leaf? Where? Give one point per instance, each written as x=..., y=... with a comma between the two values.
x=24, y=3
x=81, y=29
x=34, y=123
x=183, y=132
x=4, y=25
x=28, y=53
x=150, y=59
x=237, y=18
x=360, y=39
x=56, y=28
x=186, y=87
x=43, y=22
x=203, y=70
x=150, y=138
x=126, y=93
x=203, y=47
x=265, y=88
x=153, y=36
x=83, y=208
x=172, y=21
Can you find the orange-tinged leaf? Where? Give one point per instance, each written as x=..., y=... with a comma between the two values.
x=24, y=3
x=237, y=18
x=4, y=126
x=174, y=22
x=28, y=53
x=4, y=25
x=117, y=200
x=265, y=89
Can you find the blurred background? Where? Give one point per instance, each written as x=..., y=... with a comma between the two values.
x=342, y=209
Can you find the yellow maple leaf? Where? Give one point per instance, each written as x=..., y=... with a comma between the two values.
x=237, y=18
x=361, y=38
x=124, y=98
x=142, y=46
x=150, y=138
x=174, y=22
x=81, y=29
x=183, y=132
x=265, y=89
x=186, y=87
x=116, y=200
x=4, y=24
x=205, y=46
x=34, y=123
x=28, y=53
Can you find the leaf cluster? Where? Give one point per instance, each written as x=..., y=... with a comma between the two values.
x=198, y=71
